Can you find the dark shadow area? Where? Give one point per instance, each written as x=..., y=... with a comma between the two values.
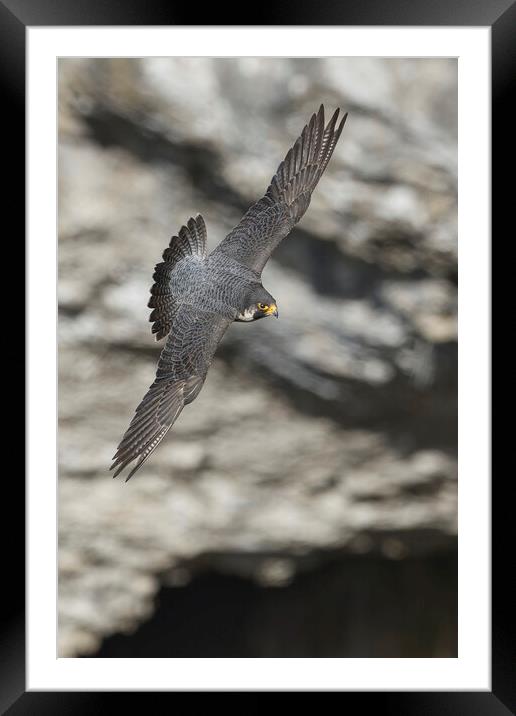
x=356, y=607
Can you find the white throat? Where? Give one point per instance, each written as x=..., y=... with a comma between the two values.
x=247, y=315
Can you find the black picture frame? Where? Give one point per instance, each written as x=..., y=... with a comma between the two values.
x=15, y=17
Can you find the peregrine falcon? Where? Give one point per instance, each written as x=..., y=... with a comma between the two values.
x=195, y=297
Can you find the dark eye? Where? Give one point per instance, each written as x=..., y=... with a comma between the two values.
x=263, y=306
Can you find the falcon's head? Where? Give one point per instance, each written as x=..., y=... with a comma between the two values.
x=258, y=304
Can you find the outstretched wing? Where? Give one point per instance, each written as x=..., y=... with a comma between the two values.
x=269, y=220
x=180, y=375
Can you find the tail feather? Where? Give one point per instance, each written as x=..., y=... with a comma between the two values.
x=190, y=241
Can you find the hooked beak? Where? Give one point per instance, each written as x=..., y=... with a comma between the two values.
x=272, y=310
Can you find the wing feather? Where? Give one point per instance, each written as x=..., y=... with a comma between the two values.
x=287, y=198
x=180, y=375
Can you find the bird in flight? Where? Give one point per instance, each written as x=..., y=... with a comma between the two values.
x=195, y=297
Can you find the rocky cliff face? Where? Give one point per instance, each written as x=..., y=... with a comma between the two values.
x=330, y=431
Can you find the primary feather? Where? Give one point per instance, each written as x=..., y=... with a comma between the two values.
x=274, y=216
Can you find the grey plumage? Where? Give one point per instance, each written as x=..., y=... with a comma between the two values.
x=196, y=297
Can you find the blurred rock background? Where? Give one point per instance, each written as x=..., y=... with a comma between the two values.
x=305, y=504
